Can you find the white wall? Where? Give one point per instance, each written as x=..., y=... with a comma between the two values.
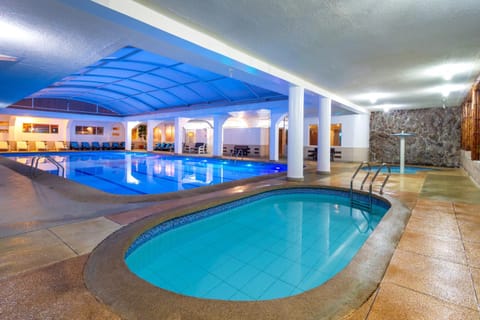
x=107, y=131
x=355, y=130
x=248, y=136
x=27, y=136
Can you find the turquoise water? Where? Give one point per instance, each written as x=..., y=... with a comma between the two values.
x=276, y=245
x=138, y=173
x=407, y=169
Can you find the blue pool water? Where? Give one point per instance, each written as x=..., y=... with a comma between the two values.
x=273, y=245
x=137, y=173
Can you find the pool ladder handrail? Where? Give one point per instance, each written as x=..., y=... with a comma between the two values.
x=359, y=203
x=36, y=160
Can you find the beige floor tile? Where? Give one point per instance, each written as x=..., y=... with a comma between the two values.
x=444, y=227
x=469, y=230
x=467, y=217
x=31, y=251
x=435, y=205
x=466, y=208
x=362, y=312
x=433, y=246
x=476, y=281
x=410, y=183
x=394, y=302
x=434, y=215
x=433, y=211
x=56, y=292
x=467, y=213
x=472, y=250
x=448, y=172
x=84, y=236
x=447, y=281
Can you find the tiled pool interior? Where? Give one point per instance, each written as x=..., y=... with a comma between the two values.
x=273, y=245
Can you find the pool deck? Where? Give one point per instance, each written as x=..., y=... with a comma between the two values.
x=46, y=238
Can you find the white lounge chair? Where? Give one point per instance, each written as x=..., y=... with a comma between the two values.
x=4, y=146
x=59, y=145
x=22, y=146
x=40, y=146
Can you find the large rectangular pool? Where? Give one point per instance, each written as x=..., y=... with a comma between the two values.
x=138, y=173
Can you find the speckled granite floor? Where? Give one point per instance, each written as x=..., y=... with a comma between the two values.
x=45, y=239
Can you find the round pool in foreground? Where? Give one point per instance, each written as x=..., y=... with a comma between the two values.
x=109, y=278
x=269, y=246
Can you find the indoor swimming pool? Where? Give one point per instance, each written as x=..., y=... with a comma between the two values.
x=272, y=245
x=139, y=173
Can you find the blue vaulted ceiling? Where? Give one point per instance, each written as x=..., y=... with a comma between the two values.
x=132, y=81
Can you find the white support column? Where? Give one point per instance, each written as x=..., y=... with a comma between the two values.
x=295, y=133
x=275, y=119
x=218, y=122
x=324, y=123
x=150, y=126
x=179, y=123
x=128, y=134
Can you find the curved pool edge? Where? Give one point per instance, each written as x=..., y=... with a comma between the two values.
x=109, y=279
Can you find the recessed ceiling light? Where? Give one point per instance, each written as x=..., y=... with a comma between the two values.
x=373, y=97
x=449, y=70
x=16, y=33
x=446, y=89
x=386, y=107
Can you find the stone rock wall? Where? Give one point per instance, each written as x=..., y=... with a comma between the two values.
x=436, y=141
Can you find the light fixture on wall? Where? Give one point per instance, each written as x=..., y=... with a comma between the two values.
x=197, y=124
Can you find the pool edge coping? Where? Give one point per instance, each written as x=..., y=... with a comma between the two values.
x=109, y=279
x=79, y=192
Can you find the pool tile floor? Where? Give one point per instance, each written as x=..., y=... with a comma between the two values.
x=45, y=239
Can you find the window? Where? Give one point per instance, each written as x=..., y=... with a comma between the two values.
x=313, y=135
x=3, y=126
x=336, y=134
x=40, y=128
x=89, y=130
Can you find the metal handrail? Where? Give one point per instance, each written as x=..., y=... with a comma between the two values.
x=385, y=180
x=370, y=187
x=35, y=161
x=356, y=172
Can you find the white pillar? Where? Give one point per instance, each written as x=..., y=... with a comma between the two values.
x=128, y=134
x=324, y=123
x=402, y=154
x=218, y=122
x=295, y=133
x=275, y=119
x=150, y=126
x=179, y=123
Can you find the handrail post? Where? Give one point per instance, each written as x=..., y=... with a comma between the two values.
x=370, y=187
x=36, y=160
